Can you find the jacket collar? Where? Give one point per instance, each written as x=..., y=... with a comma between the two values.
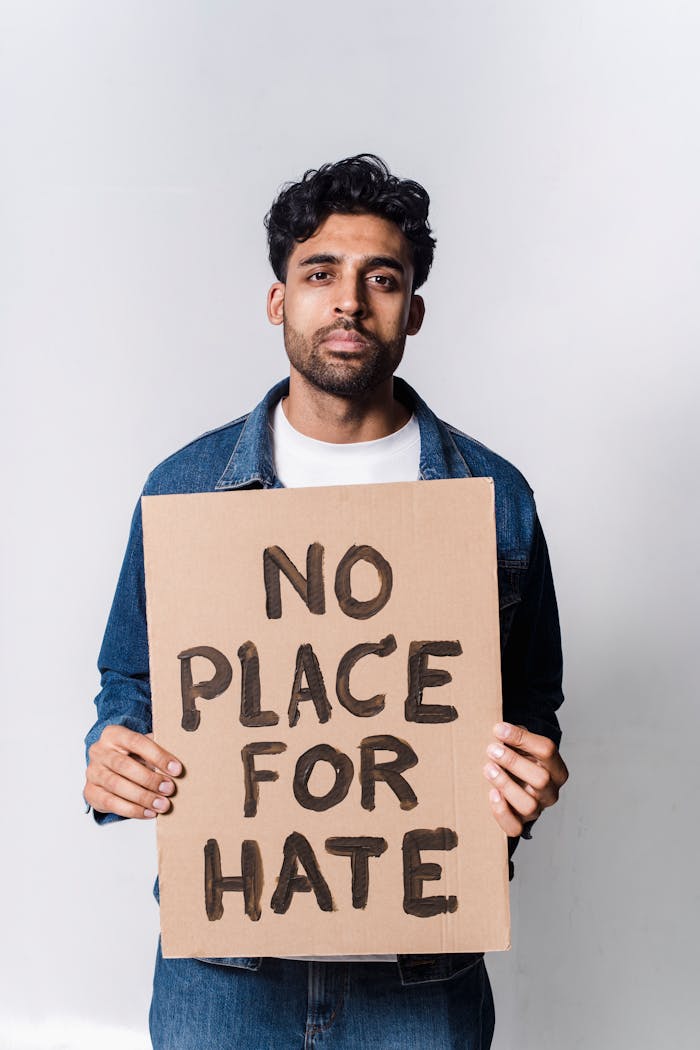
x=251, y=460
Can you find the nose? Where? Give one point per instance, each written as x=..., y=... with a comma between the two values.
x=350, y=299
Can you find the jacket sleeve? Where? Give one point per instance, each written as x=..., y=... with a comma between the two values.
x=125, y=696
x=531, y=665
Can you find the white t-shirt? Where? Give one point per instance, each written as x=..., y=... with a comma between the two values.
x=303, y=461
x=300, y=460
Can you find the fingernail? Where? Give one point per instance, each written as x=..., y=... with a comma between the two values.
x=160, y=803
x=503, y=730
x=494, y=795
x=491, y=771
x=149, y=813
x=496, y=751
x=166, y=787
x=175, y=768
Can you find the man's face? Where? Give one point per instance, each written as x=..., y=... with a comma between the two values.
x=347, y=305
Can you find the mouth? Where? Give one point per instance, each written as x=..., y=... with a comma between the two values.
x=342, y=341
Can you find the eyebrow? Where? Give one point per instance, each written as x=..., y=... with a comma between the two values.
x=389, y=262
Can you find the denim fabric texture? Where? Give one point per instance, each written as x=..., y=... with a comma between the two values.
x=286, y=1004
x=238, y=456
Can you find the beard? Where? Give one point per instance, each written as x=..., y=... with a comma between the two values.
x=335, y=374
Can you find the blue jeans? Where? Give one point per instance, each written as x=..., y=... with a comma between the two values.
x=292, y=1005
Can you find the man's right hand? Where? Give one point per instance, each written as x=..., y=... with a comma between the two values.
x=129, y=774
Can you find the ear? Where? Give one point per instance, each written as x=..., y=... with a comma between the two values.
x=275, y=303
x=416, y=313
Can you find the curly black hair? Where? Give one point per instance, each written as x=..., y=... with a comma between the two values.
x=355, y=185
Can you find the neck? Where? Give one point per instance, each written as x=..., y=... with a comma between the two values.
x=343, y=419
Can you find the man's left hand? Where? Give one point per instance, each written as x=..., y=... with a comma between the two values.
x=526, y=771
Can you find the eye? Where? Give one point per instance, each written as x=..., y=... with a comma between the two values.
x=383, y=280
x=319, y=276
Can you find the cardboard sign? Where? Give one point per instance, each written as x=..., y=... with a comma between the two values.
x=326, y=664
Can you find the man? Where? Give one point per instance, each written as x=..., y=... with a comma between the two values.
x=349, y=244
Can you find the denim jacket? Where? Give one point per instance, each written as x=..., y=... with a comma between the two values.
x=238, y=456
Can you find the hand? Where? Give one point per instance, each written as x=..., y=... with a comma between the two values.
x=129, y=774
x=527, y=775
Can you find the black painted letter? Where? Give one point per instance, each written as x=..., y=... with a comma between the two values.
x=371, y=770
x=251, y=715
x=298, y=849
x=420, y=676
x=309, y=588
x=253, y=776
x=350, y=605
x=223, y=672
x=415, y=872
x=375, y=704
x=342, y=766
x=249, y=882
x=307, y=664
x=359, y=848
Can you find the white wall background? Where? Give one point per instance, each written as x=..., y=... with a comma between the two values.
x=140, y=146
